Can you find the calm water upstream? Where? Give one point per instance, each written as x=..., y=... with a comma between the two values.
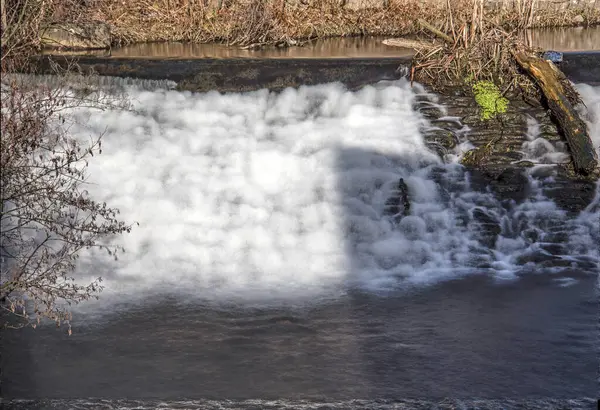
x=560, y=39
x=267, y=270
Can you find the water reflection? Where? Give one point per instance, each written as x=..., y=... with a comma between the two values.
x=566, y=38
x=327, y=48
x=560, y=39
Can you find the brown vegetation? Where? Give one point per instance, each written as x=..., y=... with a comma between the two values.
x=46, y=216
x=258, y=22
x=471, y=47
x=247, y=22
x=21, y=24
x=478, y=55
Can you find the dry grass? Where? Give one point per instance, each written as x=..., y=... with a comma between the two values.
x=255, y=22
x=248, y=22
x=21, y=22
x=478, y=50
x=473, y=47
x=528, y=13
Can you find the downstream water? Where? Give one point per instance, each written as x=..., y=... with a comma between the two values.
x=271, y=269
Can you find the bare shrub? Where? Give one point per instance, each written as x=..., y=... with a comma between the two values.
x=470, y=47
x=22, y=21
x=252, y=22
x=47, y=216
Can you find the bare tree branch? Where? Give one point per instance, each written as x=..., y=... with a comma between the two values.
x=46, y=216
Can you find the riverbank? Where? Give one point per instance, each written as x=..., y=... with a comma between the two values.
x=253, y=22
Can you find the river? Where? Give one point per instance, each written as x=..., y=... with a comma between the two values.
x=565, y=39
x=267, y=270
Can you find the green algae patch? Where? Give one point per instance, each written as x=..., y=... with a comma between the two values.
x=489, y=99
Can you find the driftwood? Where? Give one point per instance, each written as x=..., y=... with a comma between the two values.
x=435, y=31
x=548, y=77
x=419, y=44
x=407, y=43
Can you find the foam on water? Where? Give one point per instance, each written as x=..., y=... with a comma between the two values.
x=538, y=149
x=264, y=194
x=591, y=98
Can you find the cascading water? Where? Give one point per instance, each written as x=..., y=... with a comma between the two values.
x=265, y=195
x=279, y=221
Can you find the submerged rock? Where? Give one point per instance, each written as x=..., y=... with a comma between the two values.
x=488, y=226
x=398, y=205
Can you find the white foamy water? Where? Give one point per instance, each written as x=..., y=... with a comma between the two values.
x=591, y=98
x=539, y=150
x=264, y=194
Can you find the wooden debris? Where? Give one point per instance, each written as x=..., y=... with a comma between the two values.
x=435, y=31
x=548, y=77
x=407, y=43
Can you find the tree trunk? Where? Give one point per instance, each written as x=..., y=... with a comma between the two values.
x=585, y=159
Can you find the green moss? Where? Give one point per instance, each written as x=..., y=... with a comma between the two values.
x=489, y=98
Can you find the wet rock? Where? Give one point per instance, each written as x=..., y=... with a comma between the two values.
x=234, y=74
x=570, y=195
x=512, y=183
x=549, y=129
x=509, y=182
x=555, y=248
x=441, y=140
x=489, y=228
x=398, y=205
x=76, y=36
x=428, y=109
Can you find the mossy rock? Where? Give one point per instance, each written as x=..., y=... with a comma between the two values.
x=479, y=156
x=475, y=157
x=490, y=100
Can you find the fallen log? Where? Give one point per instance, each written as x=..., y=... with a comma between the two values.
x=548, y=77
x=435, y=31
x=407, y=43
